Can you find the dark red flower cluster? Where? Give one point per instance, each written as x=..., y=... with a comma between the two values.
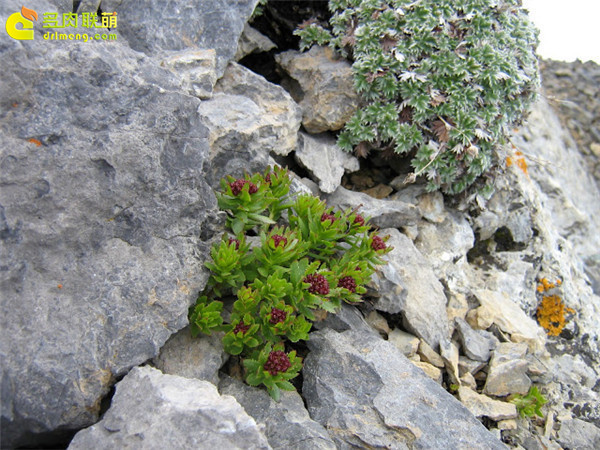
x=378, y=244
x=237, y=185
x=241, y=326
x=278, y=362
x=348, y=283
x=359, y=220
x=277, y=316
x=326, y=216
x=237, y=243
x=268, y=178
x=318, y=284
x=278, y=239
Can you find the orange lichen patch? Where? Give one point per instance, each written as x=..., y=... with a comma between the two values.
x=15, y=104
x=546, y=285
x=518, y=160
x=551, y=314
x=59, y=286
x=35, y=141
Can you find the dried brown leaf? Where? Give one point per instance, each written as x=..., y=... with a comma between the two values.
x=441, y=131
x=362, y=150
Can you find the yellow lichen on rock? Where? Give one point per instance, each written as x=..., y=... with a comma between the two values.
x=551, y=313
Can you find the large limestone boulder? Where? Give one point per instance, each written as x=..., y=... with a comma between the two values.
x=104, y=213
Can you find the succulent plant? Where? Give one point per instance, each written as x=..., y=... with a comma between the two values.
x=316, y=259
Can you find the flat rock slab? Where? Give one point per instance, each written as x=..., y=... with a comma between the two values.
x=151, y=410
x=286, y=423
x=368, y=395
x=407, y=285
x=103, y=212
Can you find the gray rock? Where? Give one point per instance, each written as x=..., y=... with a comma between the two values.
x=154, y=26
x=247, y=117
x=407, y=285
x=326, y=162
x=430, y=204
x=576, y=433
x=476, y=344
x=322, y=85
x=367, y=394
x=498, y=309
x=507, y=372
x=483, y=406
x=429, y=355
x=347, y=318
x=286, y=423
x=378, y=322
x=252, y=41
x=445, y=242
x=403, y=341
x=430, y=370
x=196, y=69
x=104, y=213
x=151, y=410
x=200, y=357
x=383, y=213
x=449, y=354
x=282, y=115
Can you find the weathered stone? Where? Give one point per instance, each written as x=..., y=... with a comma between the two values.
x=457, y=307
x=579, y=434
x=499, y=309
x=378, y=322
x=151, y=26
x=407, y=285
x=286, y=423
x=430, y=204
x=322, y=85
x=200, y=357
x=380, y=191
x=446, y=242
x=325, y=161
x=507, y=424
x=476, y=344
x=155, y=411
x=247, y=117
x=196, y=70
x=430, y=355
x=431, y=371
x=449, y=353
x=367, y=394
x=403, y=341
x=252, y=41
x=104, y=214
x=383, y=213
x=468, y=365
x=468, y=380
x=508, y=371
x=483, y=406
x=282, y=113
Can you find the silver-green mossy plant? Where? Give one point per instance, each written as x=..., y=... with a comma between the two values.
x=309, y=257
x=444, y=81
